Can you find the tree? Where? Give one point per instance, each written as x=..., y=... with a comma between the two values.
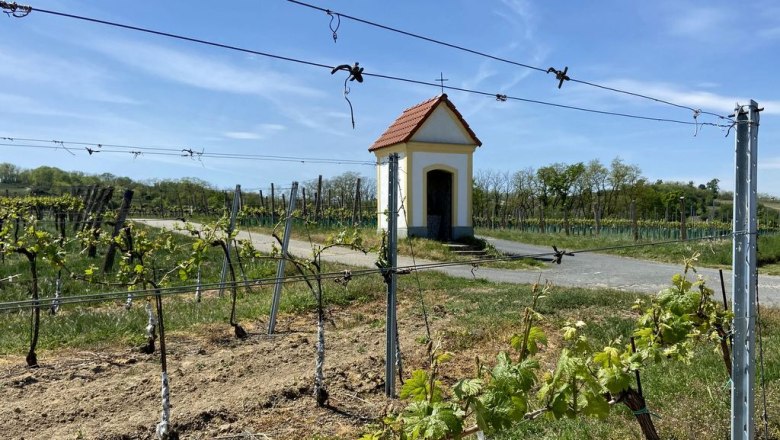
x=712, y=185
x=523, y=184
x=559, y=180
x=622, y=177
x=9, y=173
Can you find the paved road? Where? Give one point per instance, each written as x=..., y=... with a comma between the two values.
x=585, y=270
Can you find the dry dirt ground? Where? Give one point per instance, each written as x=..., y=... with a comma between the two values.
x=221, y=387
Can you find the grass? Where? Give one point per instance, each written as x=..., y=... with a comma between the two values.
x=713, y=253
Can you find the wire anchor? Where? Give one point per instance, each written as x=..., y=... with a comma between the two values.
x=344, y=280
x=333, y=16
x=696, y=114
x=15, y=10
x=560, y=75
x=558, y=256
x=62, y=145
x=355, y=73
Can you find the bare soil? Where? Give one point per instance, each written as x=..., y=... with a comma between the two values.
x=222, y=387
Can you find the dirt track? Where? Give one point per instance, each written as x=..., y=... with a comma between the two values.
x=584, y=270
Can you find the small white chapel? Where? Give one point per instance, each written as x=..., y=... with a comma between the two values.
x=435, y=148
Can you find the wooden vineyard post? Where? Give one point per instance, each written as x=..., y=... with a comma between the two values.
x=356, y=205
x=318, y=200
x=597, y=218
x=162, y=206
x=282, y=260
x=231, y=227
x=83, y=213
x=303, y=210
x=273, y=205
x=634, y=226
x=97, y=220
x=683, y=230
x=127, y=199
x=192, y=203
x=181, y=207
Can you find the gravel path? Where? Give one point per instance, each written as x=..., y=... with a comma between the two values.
x=584, y=270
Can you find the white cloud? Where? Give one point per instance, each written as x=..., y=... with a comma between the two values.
x=24, y=105
x=58, y=75
x=698, y=21
x=262, y=131
x=519, y=14
x=716, y=103
x=205, y=72
x=771, y=164
x=242, y=135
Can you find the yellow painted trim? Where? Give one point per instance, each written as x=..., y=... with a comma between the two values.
x=469, y=190
x=449, y=169
x=386, y=151
x=379, y=187
x=406, y=183
x=408, y=189
x=429, y=147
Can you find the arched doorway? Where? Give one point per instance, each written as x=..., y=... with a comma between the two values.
x=439, y=198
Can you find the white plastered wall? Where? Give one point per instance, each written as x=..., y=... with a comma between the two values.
x=442, y=127
x=422, y=160
x=382, y=176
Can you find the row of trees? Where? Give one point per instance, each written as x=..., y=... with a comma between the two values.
x=595, y=190
x=501, y=198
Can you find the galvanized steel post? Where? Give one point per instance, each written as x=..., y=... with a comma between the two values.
x=392, y=248
x=744, y=268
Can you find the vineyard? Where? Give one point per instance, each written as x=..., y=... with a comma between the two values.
x=160, y=314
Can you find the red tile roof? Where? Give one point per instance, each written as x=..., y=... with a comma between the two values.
x=413, y=118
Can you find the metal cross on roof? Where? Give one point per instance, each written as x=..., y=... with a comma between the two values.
x=441, y=80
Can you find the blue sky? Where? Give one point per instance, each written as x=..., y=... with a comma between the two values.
x=65, y=79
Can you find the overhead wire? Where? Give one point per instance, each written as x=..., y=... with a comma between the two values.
x=502, y=97
x=498, y=96
x=501, y=59
x=152, y=151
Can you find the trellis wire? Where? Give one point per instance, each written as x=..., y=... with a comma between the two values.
x=178, y=290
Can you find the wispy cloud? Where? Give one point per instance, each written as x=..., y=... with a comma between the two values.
x=770, y=164
x=698, y=21
x=692, y=98
x=204, y=72
x=262, y=131
x=24, y=105
x=519, y=14
x=242, y=135
x=58, y=75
